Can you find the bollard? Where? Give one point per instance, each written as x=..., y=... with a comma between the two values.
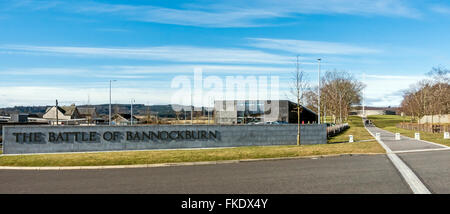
x=446, y=135
x=351, y=138
x=377, y=136
x=417, y=136
x=397, y=136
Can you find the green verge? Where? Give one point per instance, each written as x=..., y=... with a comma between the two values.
x=389, y=122
x=356, y=129
x=176, y=156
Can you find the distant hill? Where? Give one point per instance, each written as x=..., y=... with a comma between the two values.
x=103, y=109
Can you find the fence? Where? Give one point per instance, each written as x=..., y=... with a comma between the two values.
x=433, y=128
x=335, y=130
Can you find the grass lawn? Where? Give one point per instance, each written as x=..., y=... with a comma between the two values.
x=388, y=122
x=175, y=156
x=356, y=129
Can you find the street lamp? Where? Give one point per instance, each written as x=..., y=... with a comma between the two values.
x=208, y=109
x=318, y=93
x=110, y=83
x=132, y=101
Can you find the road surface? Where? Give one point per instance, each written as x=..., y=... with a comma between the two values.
x=430, y=163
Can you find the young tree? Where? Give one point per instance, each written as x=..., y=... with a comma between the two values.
x=298, y=88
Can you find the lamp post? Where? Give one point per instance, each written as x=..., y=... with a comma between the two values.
x=318, y=94
x=209, y=98
x=363, y=101
x=56, y=112
x=132, y=101
x=110, y=84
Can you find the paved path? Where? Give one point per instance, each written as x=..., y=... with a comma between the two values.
x=405, y=143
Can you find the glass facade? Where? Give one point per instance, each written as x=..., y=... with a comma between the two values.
x=250, y=111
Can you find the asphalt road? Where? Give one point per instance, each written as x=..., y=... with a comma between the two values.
x=433, y=168
x=342, y=174
x=429, y=164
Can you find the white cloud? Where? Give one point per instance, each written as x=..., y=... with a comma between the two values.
x=209, y=69
x=169, y=53
x=140, y=72
x=310, y=47
x=396, y=77
x=440, y=9
x=236, y=13
x=233, y=13
x=382, y=90
x=44, y=95
x=385, y=90
x=114, y=30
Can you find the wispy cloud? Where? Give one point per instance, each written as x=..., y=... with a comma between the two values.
x=396, y=77
x=139, y=72
x=45, y=95
x=167, y=53
x=385, y=90
x=382, y=90
x=440, y=9
x=113, y=30
x=310, y=47
x=233, y=13
x=207, y=69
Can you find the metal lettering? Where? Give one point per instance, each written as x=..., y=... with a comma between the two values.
x=92, y=136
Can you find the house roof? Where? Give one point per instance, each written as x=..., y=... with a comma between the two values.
x=87, y=111
x=66, y=110
x=69, y=110
x=125, y=116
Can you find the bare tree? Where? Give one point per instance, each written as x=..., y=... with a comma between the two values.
x=428, y=96
x=339, y=91
x=298, y=88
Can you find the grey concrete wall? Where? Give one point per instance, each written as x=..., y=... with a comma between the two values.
x=225, y=136
x=444, y=118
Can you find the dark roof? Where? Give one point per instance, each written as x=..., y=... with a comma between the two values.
x=66, y=110
x=380, y=108
x=69, y=110
x=126, y=116
x=87, y=111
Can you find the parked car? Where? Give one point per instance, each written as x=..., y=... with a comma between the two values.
x=282, y=122
x=276, y=122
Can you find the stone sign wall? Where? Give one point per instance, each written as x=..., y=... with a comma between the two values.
x=53, y=139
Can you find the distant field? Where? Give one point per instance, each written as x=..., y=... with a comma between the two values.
x=388, y=122
x=356, y=129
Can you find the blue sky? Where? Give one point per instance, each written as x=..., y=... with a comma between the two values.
x=69, y=50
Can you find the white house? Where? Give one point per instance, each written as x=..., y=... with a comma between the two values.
x=65, y=113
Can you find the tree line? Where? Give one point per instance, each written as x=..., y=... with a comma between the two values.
x=428, y=96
